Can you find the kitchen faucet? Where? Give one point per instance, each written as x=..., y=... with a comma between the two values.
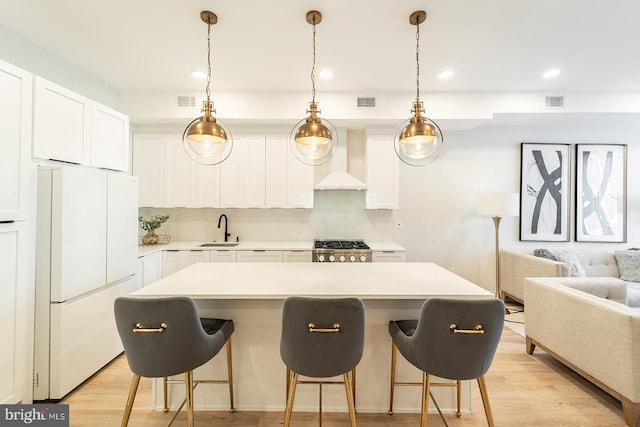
x=226, y=223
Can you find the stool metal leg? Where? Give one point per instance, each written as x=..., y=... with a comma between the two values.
x=188, y=381
x=350, y=401
x=292, y=392
x=426, y=382
x=133, y=389
x=164, y=395
x=394, y=355
x=485, y=400
x=353, y=386
x=458, y=396
x=230, y=373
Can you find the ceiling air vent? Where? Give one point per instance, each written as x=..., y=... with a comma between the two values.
x=186, y=101
x=366, y=102
x=554, y=101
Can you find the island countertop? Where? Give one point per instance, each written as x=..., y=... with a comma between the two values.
x=405, y=280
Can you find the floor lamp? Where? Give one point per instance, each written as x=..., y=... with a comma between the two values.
x=498, y=205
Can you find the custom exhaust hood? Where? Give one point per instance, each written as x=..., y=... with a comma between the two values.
x=339, y=178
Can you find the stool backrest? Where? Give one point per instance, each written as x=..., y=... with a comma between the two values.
x=334, y=342
x=181, y=346
x=440, y=351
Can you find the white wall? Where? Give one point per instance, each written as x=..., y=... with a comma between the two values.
x=28, y=56
x=437, y=203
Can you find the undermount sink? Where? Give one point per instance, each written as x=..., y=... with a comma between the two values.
x=218, y=244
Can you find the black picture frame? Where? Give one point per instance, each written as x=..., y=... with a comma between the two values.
x=601, y=193
x=545, y=182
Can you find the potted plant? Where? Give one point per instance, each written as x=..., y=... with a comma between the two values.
x=150, y=225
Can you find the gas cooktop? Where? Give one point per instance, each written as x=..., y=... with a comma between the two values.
x=340, y=244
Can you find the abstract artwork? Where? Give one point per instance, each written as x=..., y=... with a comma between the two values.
x=601, y=184
x=544, y=192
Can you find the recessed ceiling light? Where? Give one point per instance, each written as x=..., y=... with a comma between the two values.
x=549, y=74
x=447, y=74
x=198, y=74
x=325, y=74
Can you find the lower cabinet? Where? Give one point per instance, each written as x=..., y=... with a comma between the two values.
x=389, y=256
x=149, y=268
x=259, y=256
x=296, y=256
x=222, y=255
x=174, y=260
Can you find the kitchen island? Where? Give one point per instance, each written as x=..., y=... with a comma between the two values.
x=252, y=295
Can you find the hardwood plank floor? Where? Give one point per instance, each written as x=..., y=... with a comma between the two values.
x=524, y=391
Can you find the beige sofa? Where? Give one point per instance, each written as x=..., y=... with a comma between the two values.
x=578, y=321
x=516, y=266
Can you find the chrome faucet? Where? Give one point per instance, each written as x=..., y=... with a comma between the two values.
x=226, y=223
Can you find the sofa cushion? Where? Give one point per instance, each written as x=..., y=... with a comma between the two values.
x=574, y=267
x=544, y=253
x=629, y=265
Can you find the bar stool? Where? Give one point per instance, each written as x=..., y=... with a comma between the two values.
x=453, y=339
x=164, y=337
x=321, y=338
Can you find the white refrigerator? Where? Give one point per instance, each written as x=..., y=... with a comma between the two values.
x=87, y=228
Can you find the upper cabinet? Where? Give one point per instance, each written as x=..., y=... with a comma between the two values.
x=260, y=172
x=383, y=183
x=15, y=136
x=109, y=138
x=71, y=128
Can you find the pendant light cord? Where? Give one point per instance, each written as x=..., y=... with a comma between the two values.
x=417, y=59
x=313, y=66
x=208, y=58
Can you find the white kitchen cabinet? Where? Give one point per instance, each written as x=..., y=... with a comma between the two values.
x=61, y=123
x=276, y=171
x=208, y=186
x=259, y=256
x=296, y=256
x=173, y=260
x=180, y=173
x=109, y=147
x=15, y=140
x=383, y=184
x=14, y=314
x=149, y=268
x=242, y=175
x=148, y=166
x=222, y=255
x=388, y=256
x=289, y=181
x=122, y=214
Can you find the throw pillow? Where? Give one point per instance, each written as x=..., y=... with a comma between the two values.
x=544, y=253
x=628, y=265
x=573, y=264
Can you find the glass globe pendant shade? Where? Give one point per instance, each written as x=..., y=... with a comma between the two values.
x=419, y=140
x=206, y=140
x=313, y=141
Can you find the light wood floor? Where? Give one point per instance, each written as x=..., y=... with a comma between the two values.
x=524, y=391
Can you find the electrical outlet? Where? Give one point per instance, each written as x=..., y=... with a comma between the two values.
x=398, y=223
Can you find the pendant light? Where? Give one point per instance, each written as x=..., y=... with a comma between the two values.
x=418, y=140
x=313, y=140
x=206, y=139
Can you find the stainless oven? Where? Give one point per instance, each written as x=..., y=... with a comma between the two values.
x=341, y=251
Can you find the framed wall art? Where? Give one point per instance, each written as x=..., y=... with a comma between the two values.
x=601, y=193
x=544, y=192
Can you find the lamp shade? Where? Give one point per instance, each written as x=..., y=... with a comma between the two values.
x=498, y=204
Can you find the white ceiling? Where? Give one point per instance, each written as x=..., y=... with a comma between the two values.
x=259, y=45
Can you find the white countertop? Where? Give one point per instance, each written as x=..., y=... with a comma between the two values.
x=248, y=246
x=411, y=280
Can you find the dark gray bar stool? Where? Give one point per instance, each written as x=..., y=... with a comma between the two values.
x=321, y=338
x=452, y=339
x=164, y=337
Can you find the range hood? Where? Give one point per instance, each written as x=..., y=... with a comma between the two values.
x=339, y=178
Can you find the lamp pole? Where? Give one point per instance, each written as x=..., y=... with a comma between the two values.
x=496, y=221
